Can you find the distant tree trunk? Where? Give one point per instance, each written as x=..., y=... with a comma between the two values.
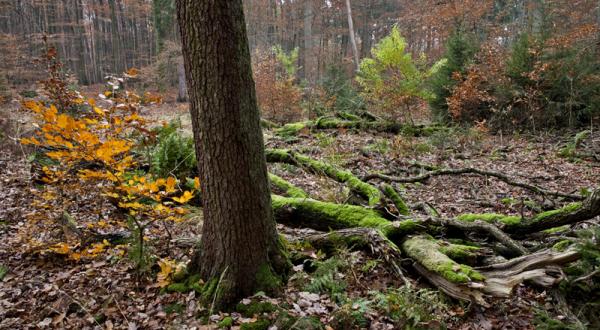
x=240, y=247
x=366, y=31
x=352, y=37
x=309, y=56
x=182, y=93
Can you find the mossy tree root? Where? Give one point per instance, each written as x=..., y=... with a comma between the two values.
x=361, y=188
x=491, y=230
x=324, y=216
x=427, y=252
x=289, y=189
x=567, y=215
x=395, y=197
x=470, y=170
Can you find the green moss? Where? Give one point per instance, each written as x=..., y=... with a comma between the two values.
x=174, y=308
x=491, y=218
x=266, y=280
x=292, y=129
x=459, y=252
x=258, y=325
x=392, y=194
x=290, y=189
x=564, y=210
x=178, y=287
x=209, y=290
x=3, y=271
x=556, y=229
x=308, y=323
x=339, y=216
x=227, y=322
x=255, y=308
x=562, y=245
x=427, y=253
x=284, y=320
x=371, y=193
x=348, y=116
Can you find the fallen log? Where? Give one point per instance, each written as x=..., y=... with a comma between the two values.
x=470, y=170
x=567, y=215
x=500, y=280
x=382, y=126
x=324, y=216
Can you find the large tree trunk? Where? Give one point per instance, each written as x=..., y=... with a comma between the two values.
x=240, y=250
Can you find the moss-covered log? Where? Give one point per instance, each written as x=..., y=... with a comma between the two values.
x=394, y=196
x=569, y=214
x=428, y=253
x=289, y=189
x=383, y=126
x=303, y=212
x=361, y=188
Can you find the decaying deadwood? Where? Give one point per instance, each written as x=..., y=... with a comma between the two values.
x=479, y=226
x=348, y=121
x=370, y=239
x=570, y=214
x=540, y=268
x=470, y=170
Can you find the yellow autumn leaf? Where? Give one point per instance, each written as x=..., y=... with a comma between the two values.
x=167, y=267
x=32, y=140
x=197, y=182
x=170, y=184
x=61, y=248
x=187, y=195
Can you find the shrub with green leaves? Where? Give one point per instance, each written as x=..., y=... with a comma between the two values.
x=392, y=81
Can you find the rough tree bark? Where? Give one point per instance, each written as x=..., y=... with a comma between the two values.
x=240, y=252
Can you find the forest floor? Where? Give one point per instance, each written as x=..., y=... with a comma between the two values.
x=48, y=291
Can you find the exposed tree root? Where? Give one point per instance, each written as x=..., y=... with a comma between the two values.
x=363, y=189
x=323, y=216
x=539, y=268
x=289, y=189
x=470, y=170
x=567, y=215
x=515, y=247
x=435, y=260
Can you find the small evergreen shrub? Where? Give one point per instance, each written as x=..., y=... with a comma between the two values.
x=392, y=81
x=460, y=51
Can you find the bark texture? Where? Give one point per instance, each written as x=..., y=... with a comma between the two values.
x=240, y=246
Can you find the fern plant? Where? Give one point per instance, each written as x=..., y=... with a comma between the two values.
x=174, y=154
